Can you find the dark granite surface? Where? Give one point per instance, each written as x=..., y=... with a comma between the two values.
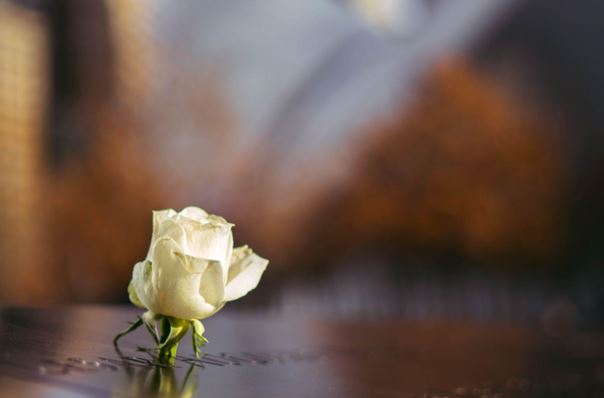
x=68, y=352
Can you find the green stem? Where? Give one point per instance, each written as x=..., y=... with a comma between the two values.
x=167, y=354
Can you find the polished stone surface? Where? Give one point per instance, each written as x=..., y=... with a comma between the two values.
x=68, y=352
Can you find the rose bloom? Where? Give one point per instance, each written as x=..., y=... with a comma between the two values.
x=192, y=269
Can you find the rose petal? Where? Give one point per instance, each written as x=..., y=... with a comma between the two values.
x=211, y=287
x=194, y=213
x=159, y=216
x=133, y=296
x=210, y=242
x=170, y=228
x=142, y=283
x=244, y=273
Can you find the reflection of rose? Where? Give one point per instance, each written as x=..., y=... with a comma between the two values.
x=160, y=381
x=191, y=269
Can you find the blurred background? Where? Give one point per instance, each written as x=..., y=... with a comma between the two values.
x=419, y=159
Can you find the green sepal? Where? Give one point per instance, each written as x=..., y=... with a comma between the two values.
x=197, y=336
x=172, y=331
x=150, y=324
x=133, y=326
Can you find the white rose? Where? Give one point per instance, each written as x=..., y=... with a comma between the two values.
x=191, y=269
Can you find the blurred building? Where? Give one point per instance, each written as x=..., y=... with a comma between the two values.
x=24, y=86
x=73, y=79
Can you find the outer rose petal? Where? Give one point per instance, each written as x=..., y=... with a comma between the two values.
x=177, y=288
x=143, y=283
x=133, y=296
x=244, y=273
